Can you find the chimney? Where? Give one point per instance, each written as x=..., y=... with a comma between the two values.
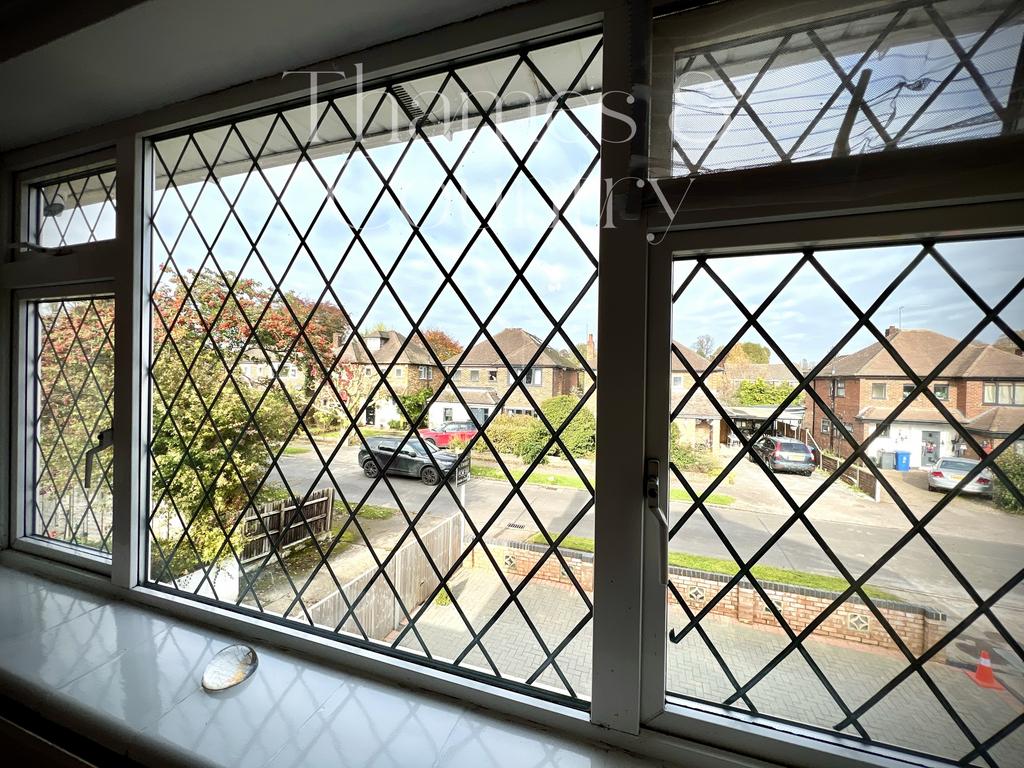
x=891, y=331
x=591, y=349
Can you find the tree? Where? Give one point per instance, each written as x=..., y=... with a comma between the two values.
x=704, y=346
x=444, y=346
x=760, y=392
x=580, y=437
x=756, y=353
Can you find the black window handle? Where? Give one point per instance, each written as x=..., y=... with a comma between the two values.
x=104, y=440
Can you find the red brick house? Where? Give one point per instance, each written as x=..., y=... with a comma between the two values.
x=983, y=388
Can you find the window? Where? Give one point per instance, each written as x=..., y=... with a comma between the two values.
x=1003, y=393
x=907, y=390
x=456, y=375
x=447, y=415
x=677, y=381
x=69, y=416
x=879, y=390
x=839, y=388
x=826, y=427
x=533, y=378
x=75, y=210
x=411, y=186
x=941, y=391
x=492, y=375
x=711, y=116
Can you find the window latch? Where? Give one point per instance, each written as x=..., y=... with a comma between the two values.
x=104, y=440
x=653, y=493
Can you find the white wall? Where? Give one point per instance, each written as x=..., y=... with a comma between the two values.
x=907, y=436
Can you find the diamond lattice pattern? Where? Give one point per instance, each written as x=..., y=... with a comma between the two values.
x=847, y=449
x=81, y=209
x=73, y=376
x=911, y=75
x=325, y=276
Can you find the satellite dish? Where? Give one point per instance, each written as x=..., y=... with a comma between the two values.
x=231, y=666
x=55, y=207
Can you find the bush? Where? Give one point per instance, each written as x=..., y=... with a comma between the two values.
x=522, y=436
x=1012, y=464
x=686, y=457
x=580, y=437
x=396, y=424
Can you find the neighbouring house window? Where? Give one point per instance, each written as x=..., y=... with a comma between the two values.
x=474, y=375
x=879, y=391
x=839, y=388
x=941, y=391
x=399, y=372
x=492, y=375
x=424, y=373
x=522, y=411
x=677, y=381
x=447, y=415
x=533, y=378
x=884, y=431
x=1003, y=393
x=907, y=389
x=826, y=427
x=456, y=375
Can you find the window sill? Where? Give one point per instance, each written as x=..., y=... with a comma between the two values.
x=128, y=678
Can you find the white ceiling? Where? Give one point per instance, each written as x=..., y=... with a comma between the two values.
x=163, y=51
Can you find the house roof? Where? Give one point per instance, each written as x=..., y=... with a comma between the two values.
x=472, y=395
x=1004, y=343
x=927, y=415
x=923, y=350
x=1000, y=420
x=697, y=360
x=415, y=352
x=766, y=371
x=519, y=346
x=699, y=406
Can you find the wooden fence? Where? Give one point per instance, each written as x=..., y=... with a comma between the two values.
x=283, y=525
x=378, y=610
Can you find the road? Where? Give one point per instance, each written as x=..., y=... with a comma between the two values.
x=985, y=544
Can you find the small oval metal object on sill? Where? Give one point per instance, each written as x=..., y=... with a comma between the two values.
x=231, y=666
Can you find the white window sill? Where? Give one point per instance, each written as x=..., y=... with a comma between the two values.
x=128, y=678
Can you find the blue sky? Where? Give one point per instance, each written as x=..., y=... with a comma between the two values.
x=557, y=274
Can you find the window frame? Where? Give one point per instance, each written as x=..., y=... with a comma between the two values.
x=621, y=711
x=885, y=390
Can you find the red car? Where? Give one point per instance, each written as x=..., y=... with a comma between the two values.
x=455, y=430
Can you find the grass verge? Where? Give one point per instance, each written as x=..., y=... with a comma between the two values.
x=729, y=568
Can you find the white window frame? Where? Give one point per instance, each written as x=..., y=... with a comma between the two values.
x=425, y=373
x=626, y=709
x=885, y=390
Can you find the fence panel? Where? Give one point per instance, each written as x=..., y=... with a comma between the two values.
x=284, y=524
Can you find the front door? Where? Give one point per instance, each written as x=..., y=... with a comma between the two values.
x=929, y=447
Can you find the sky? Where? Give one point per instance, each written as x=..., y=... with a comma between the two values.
x=806, y=319
x=558, y=273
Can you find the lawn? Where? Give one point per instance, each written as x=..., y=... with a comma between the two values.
x=729, y=568
x=367, y=511
x=573, y=481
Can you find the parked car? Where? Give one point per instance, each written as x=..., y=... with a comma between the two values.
x=412, y=460
x=784, y=454
x=947, y=473
x=453, y=430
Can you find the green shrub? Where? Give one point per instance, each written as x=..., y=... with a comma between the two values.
x=396, y=424
x=522, y=436
x=1012, y=464
x=688, y=458
x=580, y=437
x=443, y=598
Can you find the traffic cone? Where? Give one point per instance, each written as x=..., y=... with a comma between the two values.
x=982, y=674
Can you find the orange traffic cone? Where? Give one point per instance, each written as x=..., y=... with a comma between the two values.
x=982, y=674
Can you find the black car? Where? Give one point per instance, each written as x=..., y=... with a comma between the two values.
x=413, y=460
x=784, y=454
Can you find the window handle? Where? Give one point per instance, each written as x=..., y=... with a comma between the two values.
x=104, y=440
x=653, y=493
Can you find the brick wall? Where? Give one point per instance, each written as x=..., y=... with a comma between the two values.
x=917, y=626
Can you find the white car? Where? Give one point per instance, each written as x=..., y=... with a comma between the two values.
x=946, y=473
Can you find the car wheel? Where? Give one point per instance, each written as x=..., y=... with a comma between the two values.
x=432, y=441
x=370, y=469
x=430, y=476
x=808, y=474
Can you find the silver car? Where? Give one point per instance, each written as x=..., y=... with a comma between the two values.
x=946, y=473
